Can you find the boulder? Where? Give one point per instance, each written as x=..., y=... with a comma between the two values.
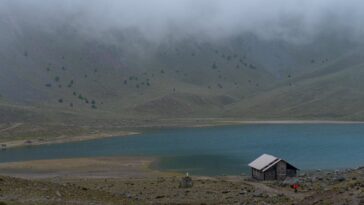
x=339, y=178
x=186, y=182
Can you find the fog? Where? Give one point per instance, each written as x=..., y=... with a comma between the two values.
x=290, y=20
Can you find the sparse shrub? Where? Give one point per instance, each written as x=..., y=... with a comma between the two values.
x=70, y=84
x=214, y=66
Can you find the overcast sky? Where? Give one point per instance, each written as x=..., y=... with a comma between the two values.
x=293, y=20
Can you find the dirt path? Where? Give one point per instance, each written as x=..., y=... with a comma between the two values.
x=264, y=188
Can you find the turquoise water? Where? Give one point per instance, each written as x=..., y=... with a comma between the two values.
x=221, y=150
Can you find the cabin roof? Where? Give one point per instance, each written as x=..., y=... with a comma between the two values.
x=265, y=162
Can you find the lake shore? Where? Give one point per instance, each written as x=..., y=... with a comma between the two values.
x=63, y=139
x=129, y=180
x=97, y=167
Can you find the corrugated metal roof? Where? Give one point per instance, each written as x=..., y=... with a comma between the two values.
x=264, y=161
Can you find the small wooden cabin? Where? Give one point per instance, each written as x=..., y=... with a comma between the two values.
x=268, y=167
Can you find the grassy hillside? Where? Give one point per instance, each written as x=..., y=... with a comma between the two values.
x=57, y=74
x=331, y=92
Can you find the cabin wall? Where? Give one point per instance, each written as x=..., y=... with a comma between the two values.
x=256, y=174
x=291, y=172
x=281, y=170
x=270, y=174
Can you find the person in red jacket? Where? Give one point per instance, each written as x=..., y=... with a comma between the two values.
x=295, y=187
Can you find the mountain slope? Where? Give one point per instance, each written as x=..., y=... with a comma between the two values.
x=332, y=92
x=61, y=70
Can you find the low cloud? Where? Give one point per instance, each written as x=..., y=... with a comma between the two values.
x=290, y=20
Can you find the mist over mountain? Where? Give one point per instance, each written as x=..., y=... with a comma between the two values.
x=294, y=21
x=184, y=58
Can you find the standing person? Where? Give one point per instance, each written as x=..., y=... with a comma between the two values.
x=295, y=187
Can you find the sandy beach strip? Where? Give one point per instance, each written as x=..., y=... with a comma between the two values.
x=98, y=167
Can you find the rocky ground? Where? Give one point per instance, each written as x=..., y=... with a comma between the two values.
x=22, y=191
x=318, y=187
x=339, y=187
